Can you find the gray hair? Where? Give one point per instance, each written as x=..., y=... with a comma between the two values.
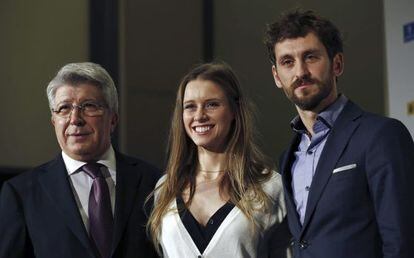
x=74, y=74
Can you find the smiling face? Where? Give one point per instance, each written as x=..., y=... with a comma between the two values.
x=207, y=115
x=81, y=137
x=305, y=73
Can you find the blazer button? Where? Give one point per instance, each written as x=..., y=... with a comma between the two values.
x=303, y=244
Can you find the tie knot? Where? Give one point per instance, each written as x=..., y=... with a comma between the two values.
x=93, y=170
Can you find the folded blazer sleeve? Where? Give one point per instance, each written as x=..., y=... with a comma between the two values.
x=14, y=241
x=390, y=174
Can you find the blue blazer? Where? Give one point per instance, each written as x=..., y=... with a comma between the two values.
x=39, y=216
x=360, y=203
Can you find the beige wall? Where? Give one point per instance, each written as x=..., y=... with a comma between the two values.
x=37, y=38
x=159, y=41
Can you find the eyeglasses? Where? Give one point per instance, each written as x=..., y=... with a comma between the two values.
x=87, y=109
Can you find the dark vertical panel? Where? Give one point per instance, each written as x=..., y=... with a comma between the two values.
x=103, y=39
x=208, y=30
x=104, y=34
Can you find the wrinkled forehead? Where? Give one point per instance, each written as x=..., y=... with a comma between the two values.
x=78, y=93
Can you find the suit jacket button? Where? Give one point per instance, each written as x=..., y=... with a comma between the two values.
x=303, y=244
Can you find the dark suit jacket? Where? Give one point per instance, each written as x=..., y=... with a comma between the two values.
x=367, y=210
x=39, y=215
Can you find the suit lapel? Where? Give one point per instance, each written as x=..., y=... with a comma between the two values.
x=285, y=169
x=341, y=132
x=127, y=181
x=56, y=185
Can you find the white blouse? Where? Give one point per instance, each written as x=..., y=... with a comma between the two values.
x=234, y=237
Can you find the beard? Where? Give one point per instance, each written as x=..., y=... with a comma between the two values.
x=310, y=99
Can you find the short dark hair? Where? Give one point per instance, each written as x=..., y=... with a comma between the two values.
x=299, y=23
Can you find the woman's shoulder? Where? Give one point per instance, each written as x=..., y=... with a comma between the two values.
x=161, y=181
x=274, y=190
x=273, y=185
x=158, y=186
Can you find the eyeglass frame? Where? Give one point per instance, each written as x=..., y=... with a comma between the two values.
x=81, y=108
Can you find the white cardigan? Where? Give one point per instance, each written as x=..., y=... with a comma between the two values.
x=234, y=238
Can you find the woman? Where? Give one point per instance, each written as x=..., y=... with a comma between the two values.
x=218, y=196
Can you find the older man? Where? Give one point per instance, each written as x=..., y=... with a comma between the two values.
x=89, y=200
x=347, y=174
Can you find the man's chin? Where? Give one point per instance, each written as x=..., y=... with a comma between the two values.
x=80, y=152
x=309, y=101
x=307, y=106
x=306, y=103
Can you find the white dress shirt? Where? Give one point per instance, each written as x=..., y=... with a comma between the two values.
x=82, y=183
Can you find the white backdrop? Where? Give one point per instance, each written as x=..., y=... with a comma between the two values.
x=400, y=59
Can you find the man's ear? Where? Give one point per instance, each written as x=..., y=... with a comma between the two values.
x=52, y=120
x=114, y=122
x=338, y=64
x=276, y=77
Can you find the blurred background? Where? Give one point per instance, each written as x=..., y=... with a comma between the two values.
x=148, y=45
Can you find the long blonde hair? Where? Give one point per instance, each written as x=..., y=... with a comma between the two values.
x=246, y=165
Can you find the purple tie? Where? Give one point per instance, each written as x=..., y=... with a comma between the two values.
x=100, y=212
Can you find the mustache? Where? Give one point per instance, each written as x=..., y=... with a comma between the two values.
x=303, y=80
x=77, y=130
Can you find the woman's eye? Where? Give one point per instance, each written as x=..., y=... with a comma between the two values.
x=189, y=106
x=211, y=105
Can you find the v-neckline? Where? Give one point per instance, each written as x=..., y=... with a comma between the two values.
x=230, y=215
x=225, y=207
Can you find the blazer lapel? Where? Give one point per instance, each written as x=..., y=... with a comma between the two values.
x=127, y=182
x=56, y=185
x=285, y=167
x=341, y=132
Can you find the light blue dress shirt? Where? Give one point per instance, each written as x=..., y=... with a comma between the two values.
x=309, y=151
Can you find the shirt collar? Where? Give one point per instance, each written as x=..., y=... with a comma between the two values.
x=327, y=116
x=107, y=159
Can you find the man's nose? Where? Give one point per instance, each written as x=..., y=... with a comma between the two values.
x=76, y=116
x=301, y=69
